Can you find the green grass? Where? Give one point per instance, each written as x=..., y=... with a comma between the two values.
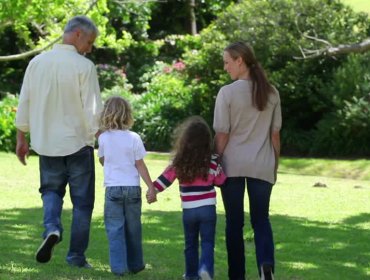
x=358, y=5
x=320, y=232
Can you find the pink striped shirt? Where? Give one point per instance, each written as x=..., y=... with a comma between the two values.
x=197, y=193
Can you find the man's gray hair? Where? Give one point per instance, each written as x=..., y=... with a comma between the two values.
x=82, y=22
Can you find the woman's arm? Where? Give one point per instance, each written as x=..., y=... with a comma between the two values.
x=221, y=140
x=275, y=139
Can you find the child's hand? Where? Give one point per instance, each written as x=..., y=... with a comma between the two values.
x=151, y=195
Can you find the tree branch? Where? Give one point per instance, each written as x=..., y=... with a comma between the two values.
x=330, y=50
x=36, y=51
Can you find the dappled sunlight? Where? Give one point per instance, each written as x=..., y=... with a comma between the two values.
x=300, y=265
x=317, y=231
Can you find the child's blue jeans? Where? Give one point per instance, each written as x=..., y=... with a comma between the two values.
x=122, y=217
x=200, y=221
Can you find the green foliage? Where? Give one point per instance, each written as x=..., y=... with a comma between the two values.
x=8, y=109
x=138, y=60
x=166, y=103
x=110, y=76
x=346, y=131
x=277, y=30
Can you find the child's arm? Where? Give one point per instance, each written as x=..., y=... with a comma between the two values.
x=220, y=176
x=165, y=179
x=144, y=174
x=217, y=170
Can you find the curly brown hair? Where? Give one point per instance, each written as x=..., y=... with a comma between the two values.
x=192, y=149
x=116, y=114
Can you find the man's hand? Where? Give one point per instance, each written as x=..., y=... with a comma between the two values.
x=22, y=149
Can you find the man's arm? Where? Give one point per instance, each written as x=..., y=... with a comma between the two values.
x=22, y=148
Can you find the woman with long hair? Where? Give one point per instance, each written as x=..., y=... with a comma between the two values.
x=247, y=121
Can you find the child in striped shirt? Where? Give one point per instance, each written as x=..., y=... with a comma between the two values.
x=197, y=171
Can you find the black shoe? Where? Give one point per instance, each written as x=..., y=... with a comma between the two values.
x=45, y=251
x=266, y=272
x=134, y=271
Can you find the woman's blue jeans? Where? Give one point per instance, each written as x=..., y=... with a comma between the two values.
x=122, y=217
x=199, y=221
x=77, y=170
x=259, y=193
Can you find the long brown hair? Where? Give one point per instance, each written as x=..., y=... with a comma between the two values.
x=192, y=149
x=261, y=87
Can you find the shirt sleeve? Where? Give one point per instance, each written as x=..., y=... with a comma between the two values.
x=277, y=118
x=139, y=149
x=221, y=119
x=23, y=110
x=101, y=146
x=217, y=171
x=165, y=179
x=91, y=99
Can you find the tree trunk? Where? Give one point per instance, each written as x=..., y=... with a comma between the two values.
x=193, y=20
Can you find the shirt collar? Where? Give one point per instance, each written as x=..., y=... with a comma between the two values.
x=65, y=47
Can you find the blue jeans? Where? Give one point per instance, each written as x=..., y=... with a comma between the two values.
x=199, y=221
x=122, y=217
x=259, y=193
x=77, y=170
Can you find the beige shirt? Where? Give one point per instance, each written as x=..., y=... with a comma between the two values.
x=60, y=102
x=249, y=152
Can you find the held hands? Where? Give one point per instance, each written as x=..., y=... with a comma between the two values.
x=151, y=195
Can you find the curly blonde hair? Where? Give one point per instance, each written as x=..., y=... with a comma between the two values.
x=192, y=149
x=117, y=114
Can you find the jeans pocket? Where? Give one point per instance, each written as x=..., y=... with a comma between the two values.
x=113, y=193
x=134, y=195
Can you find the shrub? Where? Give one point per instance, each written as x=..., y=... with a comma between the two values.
x=276, y=30
x=345, y=132
x=8, y=109
x=167, y=102
x=110, y=76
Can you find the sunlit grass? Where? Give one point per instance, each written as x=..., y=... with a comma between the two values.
x=359, y=5
x=320, y=232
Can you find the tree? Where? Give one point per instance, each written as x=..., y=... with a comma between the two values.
x=330, y=50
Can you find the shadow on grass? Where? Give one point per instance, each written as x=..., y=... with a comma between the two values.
x=305, y=249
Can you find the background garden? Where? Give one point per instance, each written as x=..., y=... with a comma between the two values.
x=166, y=58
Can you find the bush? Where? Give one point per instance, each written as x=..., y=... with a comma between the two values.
x=165, y=104
x=276, y=29
x=345, y=132
x=8, y=131
x=110, y=76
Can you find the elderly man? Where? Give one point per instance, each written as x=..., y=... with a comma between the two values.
x=59, y=107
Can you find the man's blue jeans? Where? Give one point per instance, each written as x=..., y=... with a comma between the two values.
x=122, y=217
x=199, y=221
x=78, y=171
x=259, y=193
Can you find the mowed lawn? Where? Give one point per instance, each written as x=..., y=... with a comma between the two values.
x=321, y=232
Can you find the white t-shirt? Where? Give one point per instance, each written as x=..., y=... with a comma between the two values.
x=120, y=149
